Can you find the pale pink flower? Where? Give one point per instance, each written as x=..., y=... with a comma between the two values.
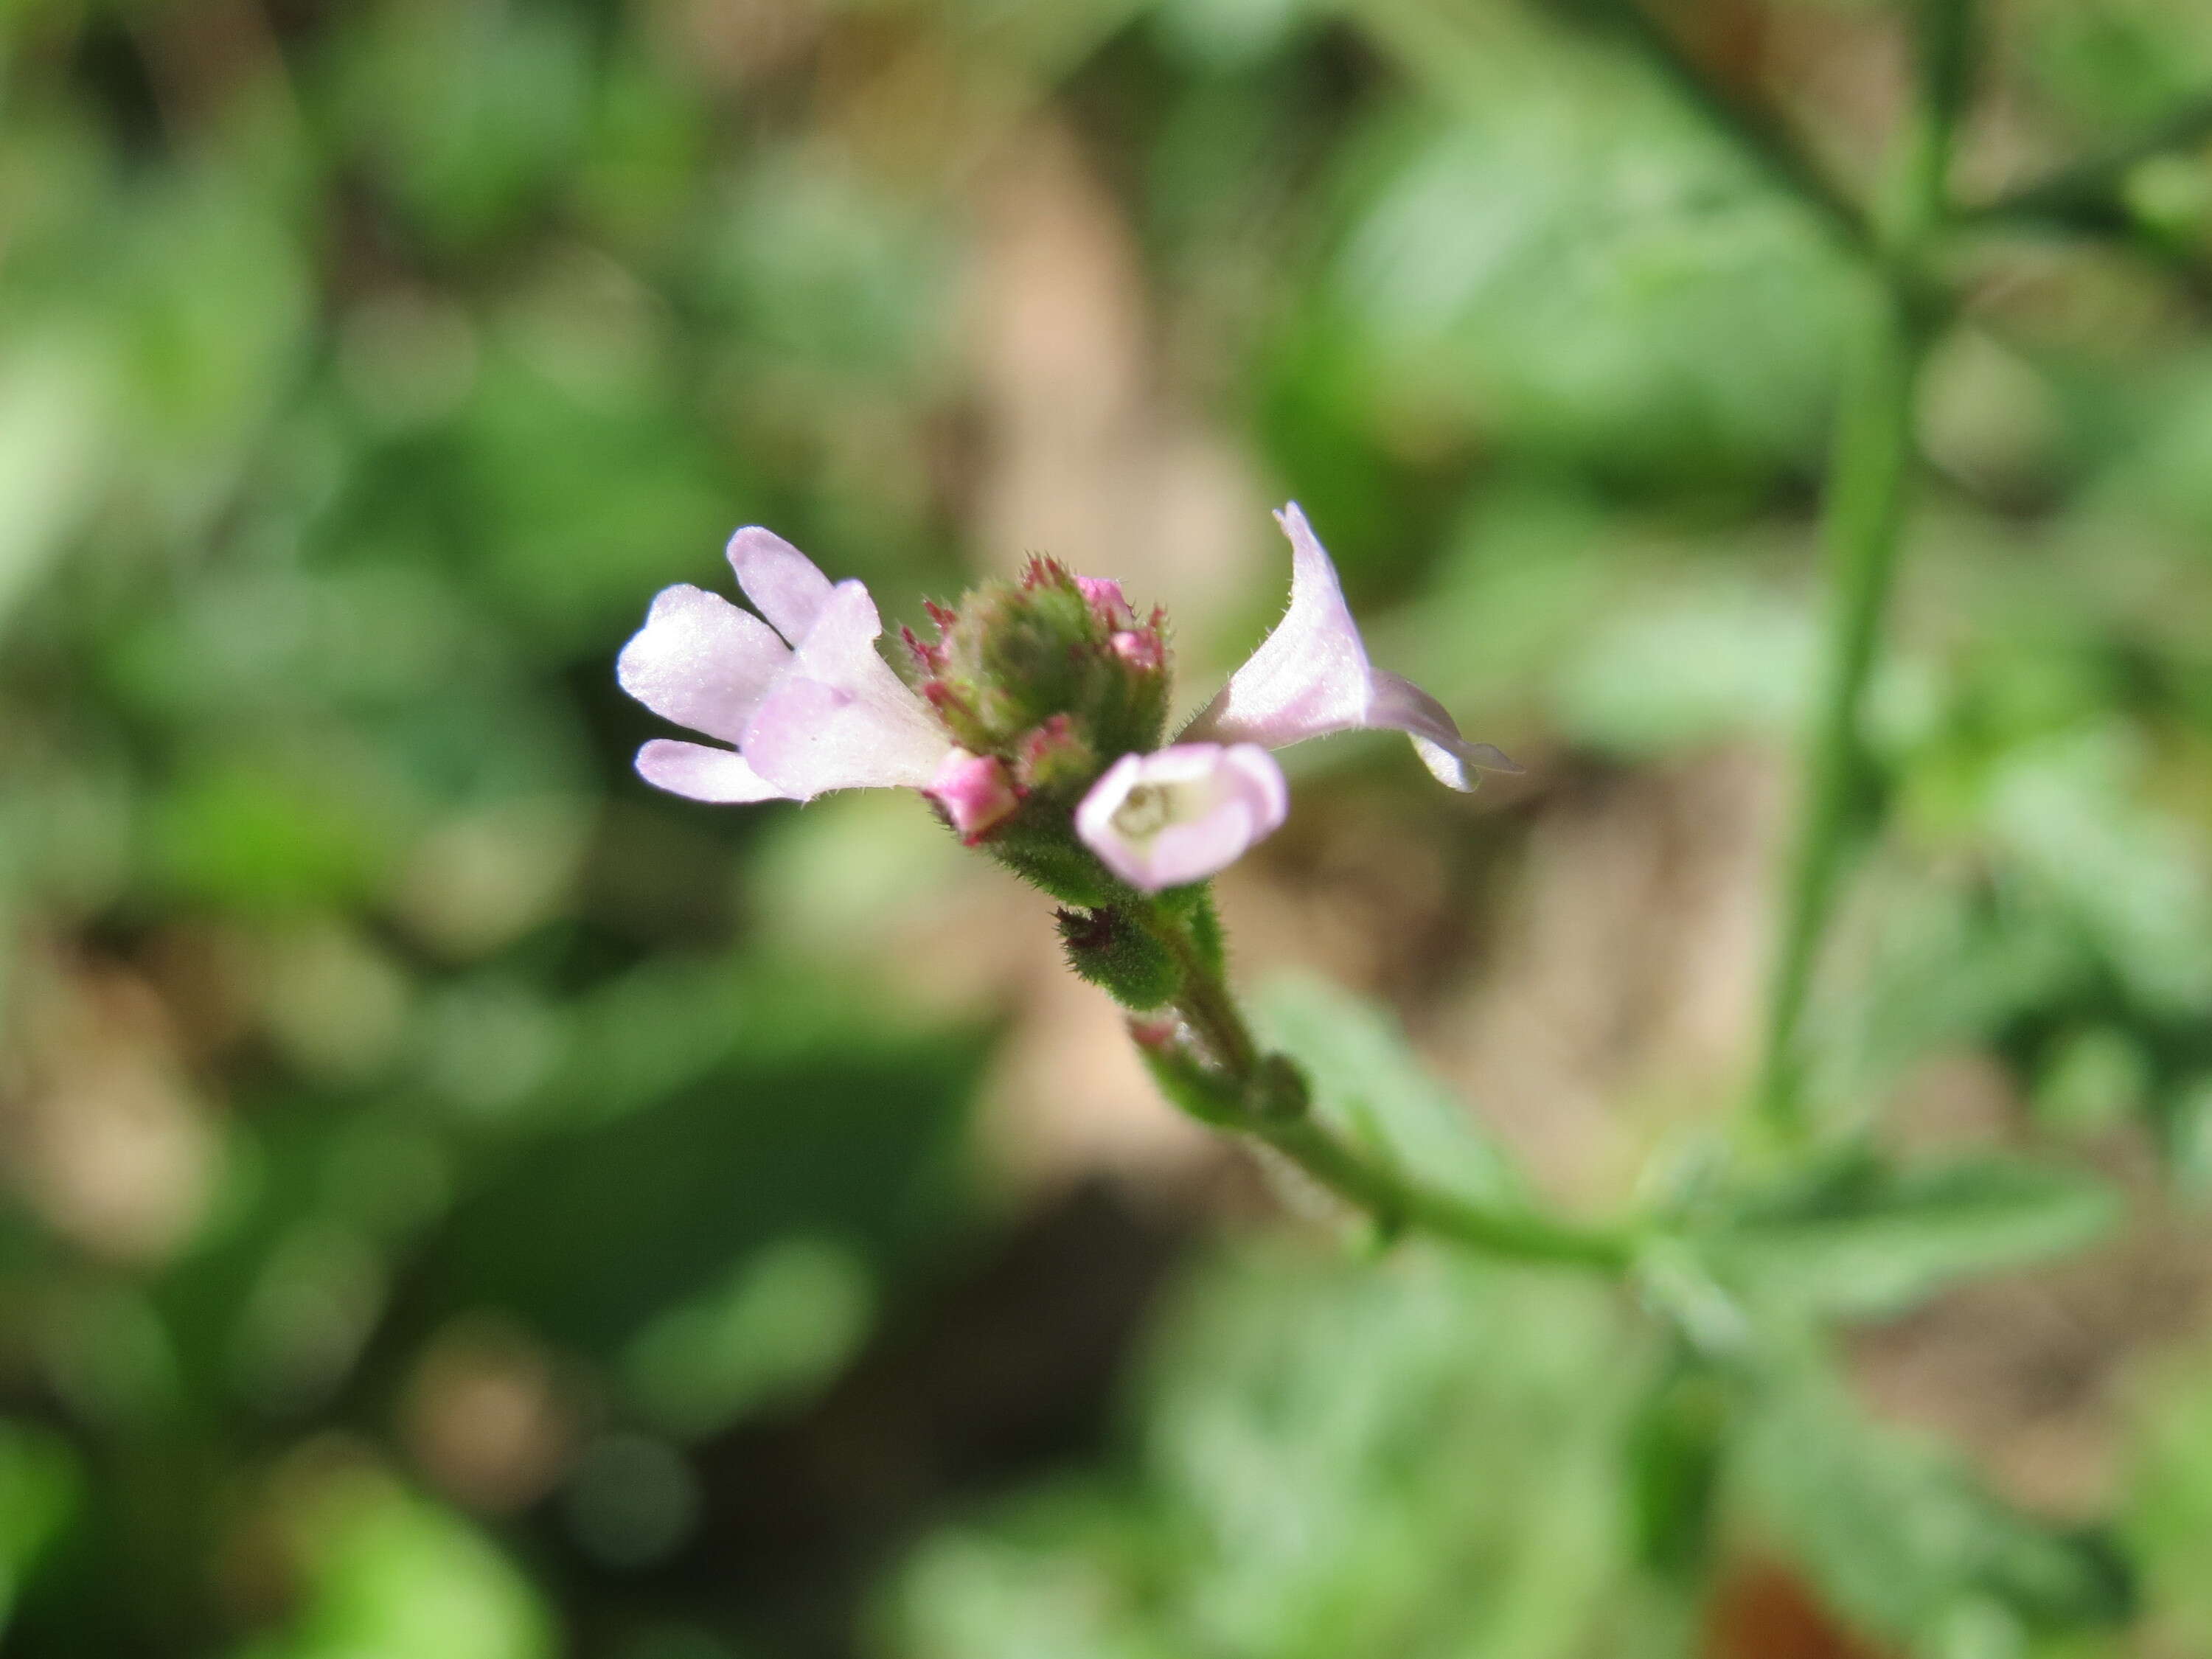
x=975, y=793
x=1183, y=813
x=804, y=698
x=1311, y=676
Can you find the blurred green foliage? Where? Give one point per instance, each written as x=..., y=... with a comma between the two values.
x=443, y=1176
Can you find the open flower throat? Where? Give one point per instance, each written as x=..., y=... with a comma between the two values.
x=1035, y=720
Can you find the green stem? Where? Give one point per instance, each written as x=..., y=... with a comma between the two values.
x=1396, y=1202
x=1865, y=515
x=1208, y=1008
x=1862, y=528
x=1245, y=1091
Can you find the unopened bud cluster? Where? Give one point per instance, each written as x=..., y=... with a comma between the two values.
x=1041, y=681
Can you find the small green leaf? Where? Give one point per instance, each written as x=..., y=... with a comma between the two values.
x=1861, y=1237
x=1369, y=1085
x=1114, y=950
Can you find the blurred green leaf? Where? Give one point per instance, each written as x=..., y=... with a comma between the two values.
x=1861, y=1239
x=391, y=1576
x=1897, y=1537
x=52, y=434
x=1713, y=661
x=2135, y=879
x=1333, y=1458
x=1574, y=262
x=609, y=1220
x=246, y=835
x=42, y=1488
x=2169, y=1506
x=782, y=1323
x=469, y=112
x=1674, y=1456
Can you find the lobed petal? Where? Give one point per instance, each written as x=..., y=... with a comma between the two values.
x=841, y=719
x=788, y=588
x=702, y=662
x=1401, y=706
x=694, y=770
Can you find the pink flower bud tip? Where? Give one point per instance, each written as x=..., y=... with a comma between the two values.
x=1104, y=596
x=975, y=793
x=1142, y=650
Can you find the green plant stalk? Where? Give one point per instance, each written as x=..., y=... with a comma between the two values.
x=1263, y=1096
x=1862, y=529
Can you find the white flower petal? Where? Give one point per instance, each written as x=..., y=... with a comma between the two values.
x=701, y=661
x=1309, y=677
x=810, y=737
x=786, y=587
x=704, y=773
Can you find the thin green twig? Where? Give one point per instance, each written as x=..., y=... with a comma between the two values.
x=2085, y=196
x=1396, y=1201
x=1862, y=528
x=1864, y=520
x=1233, y=1085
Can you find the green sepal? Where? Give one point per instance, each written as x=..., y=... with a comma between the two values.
x=1110, y=948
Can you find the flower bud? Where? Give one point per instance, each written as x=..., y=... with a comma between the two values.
x=1106, y=601
x=1110, y=949
x=975, y=792
x=1053, y=672
x=1053, y=758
